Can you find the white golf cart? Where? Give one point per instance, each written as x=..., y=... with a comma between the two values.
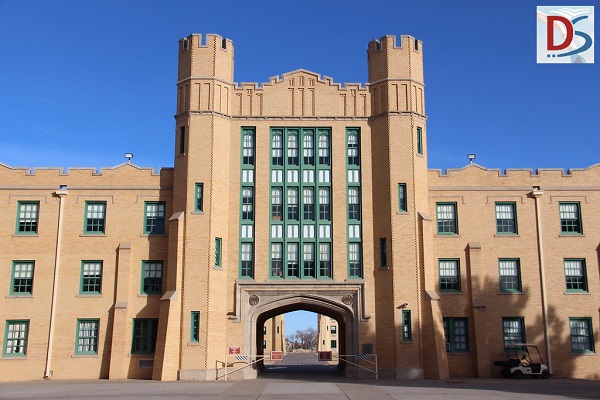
x=519, y=362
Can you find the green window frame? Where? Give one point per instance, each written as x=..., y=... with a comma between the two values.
x=292, y=269
x=456, y=332
x=195, y=327
x=510, y=275
x=95, y=217
x=16, y=335
x=324, y=204
x=575, y=275
x=308, y=148
x=513, y=330
x=247, y=147
x=355, y=269
x=406, y=326
x=354, y=204
x=449, y=270
x=144, y=335
x=22, y=278
x=353, y=148
x=419, y=140
x=383, y=252
x=333, y=343
x=333, y=329
x=87, y=336
x=570, y=218
x=447, y=218
x=218, y=251
x=277, y=148
x=277, y=260
x=27, y=217
x=324, y=148
x=199, y=200
x=325, y=265
x=247, y=260
x=152, y=277
x=309, y=269
x=402, y=204
x=582, y=336
x=506, y=218
x=247, y=203
x=91, y=277
x=154, y=217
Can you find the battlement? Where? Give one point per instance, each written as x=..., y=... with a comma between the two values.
x=211, y=41
x=212, y=57
x=390, y=42
x=389, y=58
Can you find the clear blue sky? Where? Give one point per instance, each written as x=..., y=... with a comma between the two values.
x=83, y=82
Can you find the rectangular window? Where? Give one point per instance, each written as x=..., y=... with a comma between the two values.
x=575, y=275
x=309, y=149
x=325, y=260
x=144, y=335
x=309, y=270
x=22, y=278
x=248, y=148
x=324, y=149
x=87, y=336
x=354, y=260
x=292, y=260
x=383, y=252
x=95, y=217
x=247, y=267
x=309, y=203
x=402, y=206
x=449, y=276
x=15, y=338
x=154, y=218
x=353, y=148
x=195, y=327
x=277, y=204
x=446, y=219
x=277, y=260
x=152, y=277
x=419, y=140
x=218, y=250
x=277, y=149
x=582, y=339
x=456, y=331
x=506, y=218
x=27, y=212
x=292, y=149
x=513, y=330
x=199, y=197
x=324, y=204
x=353, y=204
x=292, y=204
x=510, y=275
x=406, y=326
x=334, y=344
x=91, y=277
x=247, y=204
x=333, y=329
x=182, y=140
x=570, y=218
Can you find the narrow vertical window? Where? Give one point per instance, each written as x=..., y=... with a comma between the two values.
x=247, y=267
x=292, y=260
x=582, y=339
x=91, y=277
x=575, y=275
x=154, y=217
x=277, y=204
x=195, y=327
x=248, y=204
x=95, y=217
x=144, y=335
x=406, y=326
x=449, y=276
x=570, y=218
x=506, y=221
x=309, y=203
x=292, y=149
x=182, y=140
x=248, y=149
x=27, y=222
x=383, y=252
x=402, y=207
x=324, y=204
x=510, y=275
x=446, y=219
x=16, y=334
x=353, y=204
x=324, y=149
x=292, y=204
x=309, y=270
x=277, y=150
x=218, y=244
x=325, y=260
x=152, y=272
x=354, y=260
x=419, y=141
x=309, y=149
x=87, y=336
x=353, y=149
x=22, y=278
x=277, y=260
x=199, y=197
x=513, y=329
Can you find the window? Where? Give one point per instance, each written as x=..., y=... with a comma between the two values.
x=309, y=204
x=277, y=204
x=95, y=215
x=154, y=218
x=383, y=252
x=264, y=344
x=354, y=260
x=506, y=219
x=277, y=260
x=218, y=245
x=406, y=326
x=334, y=344
x=199, y=193
x=292, y=204
x=510, y=275
x=144, y=335
x=419, y=140
x=576, y=275
x=353, y=148
x=582, y=340
x=309, y=270
x=91, y=277
x=247, y=266
x=15, y=338
x=292, y=260
x=264, y=330
x=182, y=140
x=449, y=276
x=353, y=204
x=247, y=204
x=446, y=219
x=248, y=148
x=87, y=336
x=333, y=329
x=22, y=278
x=402, y=207
x=152, y=277
x=513, y=330
x=292, y=150
x=309, y=149
x=325, y=260
x=324, y=149
x=277, y=149
x=28, y=217
x=456, y=331
x=570, y=218
x=195, y=327
x=324, y=204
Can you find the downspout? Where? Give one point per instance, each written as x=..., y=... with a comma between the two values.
x=537, y=193
x=60, y=194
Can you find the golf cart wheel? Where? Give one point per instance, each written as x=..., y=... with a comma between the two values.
x=545, y=374
x=517, y=374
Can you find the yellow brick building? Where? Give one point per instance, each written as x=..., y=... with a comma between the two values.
x=297, y=194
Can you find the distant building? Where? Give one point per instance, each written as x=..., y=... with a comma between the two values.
x=328, y=334
x=274, y=334
x=297, y=194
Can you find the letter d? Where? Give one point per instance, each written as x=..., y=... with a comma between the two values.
x=550, y=31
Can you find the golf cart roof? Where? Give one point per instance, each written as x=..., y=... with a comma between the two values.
x=521, y=345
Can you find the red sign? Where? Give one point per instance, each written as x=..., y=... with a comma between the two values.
x=234, y=350
x=277, y=356
x=325, y=356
